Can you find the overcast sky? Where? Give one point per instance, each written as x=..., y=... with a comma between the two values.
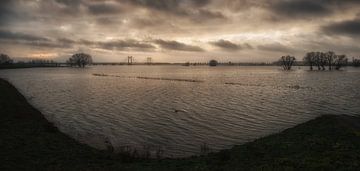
x=178, y=30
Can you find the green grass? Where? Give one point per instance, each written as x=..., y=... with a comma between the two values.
x=29, y=141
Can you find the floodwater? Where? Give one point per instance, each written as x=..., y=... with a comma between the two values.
x=178, y=108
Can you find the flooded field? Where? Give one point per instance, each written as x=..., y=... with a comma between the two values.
x=177, y=108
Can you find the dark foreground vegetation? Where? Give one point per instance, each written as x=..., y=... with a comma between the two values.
x=29, y=141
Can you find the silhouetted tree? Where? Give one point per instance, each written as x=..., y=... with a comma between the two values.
x=287, y=62
x=309, y=59
x=5, y=59
x=213, y=63
x=321, y=59
x=80, y=60
x=340, y=60
x=356, y=62
x=330, y=57
x=317, y=56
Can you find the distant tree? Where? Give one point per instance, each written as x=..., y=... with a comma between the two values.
x=80, y=60
x=213, y=63
x=330, y=57
x=320, y=60
x=317, y=57
x=356, y=62
x=309, y=59
x=41, y=61
x=340, y=60
x=5, y=59
x=323, y=60
x=287, y=62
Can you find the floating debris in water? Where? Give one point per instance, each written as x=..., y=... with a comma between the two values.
x=242, y=84
x=179, y=110
x=150, y=78
x=169, y=79
x=296, y=87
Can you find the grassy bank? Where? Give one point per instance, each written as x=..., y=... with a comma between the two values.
x=29, y=141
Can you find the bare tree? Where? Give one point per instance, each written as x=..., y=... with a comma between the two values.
x=80, y=60
x=317, y=57
x=309, y=59
x=287, y=62
x=356, y=62
x=323, y=60
x=5, y=59
x=340, y=61
x=330, y=57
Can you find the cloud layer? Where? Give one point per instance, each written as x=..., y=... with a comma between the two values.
x=178, y=30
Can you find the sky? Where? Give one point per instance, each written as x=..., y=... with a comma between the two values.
x=178, y=30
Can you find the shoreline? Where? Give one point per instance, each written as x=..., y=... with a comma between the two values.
x=28, y=140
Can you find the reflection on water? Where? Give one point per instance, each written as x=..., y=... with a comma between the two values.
x=180, y=108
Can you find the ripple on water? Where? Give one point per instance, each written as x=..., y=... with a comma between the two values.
x=179, y=109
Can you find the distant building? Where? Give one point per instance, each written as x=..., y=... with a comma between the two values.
x=213, y=63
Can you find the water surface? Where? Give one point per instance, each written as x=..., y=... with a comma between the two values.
x=179, y=108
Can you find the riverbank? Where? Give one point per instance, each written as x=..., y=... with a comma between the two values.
x=29, y=141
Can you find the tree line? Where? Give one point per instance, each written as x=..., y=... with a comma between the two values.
x=77, y=60
x=319, y=61
x=316, y=60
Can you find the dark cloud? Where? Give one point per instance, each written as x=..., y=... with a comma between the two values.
x=162, y=5
x=350, y=28
x=20, y=36
x=129, y=44
x=200, y=3
x=38, y=44
x=309, y=9
x=275, y=47
x=106, y=21
x=66, y=40
x=341, y=3
x=242, y=5
x=300, y=8
x=226, y=45
x=191, y=9
x=9, y=13
x=103, y=8
x=70, y=3
x=169, y=5
x=6, y=13
x=47, y=44
x=203, y=14
x=86, y=42
x=174, y=45
x=147, y=22
x=62, y=8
